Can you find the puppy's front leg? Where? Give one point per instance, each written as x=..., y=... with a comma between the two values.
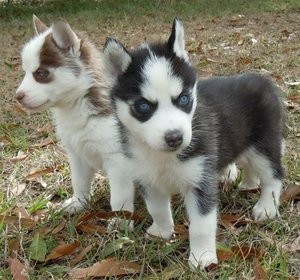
x=159, y=207
x=81, y=175
x=201, y=205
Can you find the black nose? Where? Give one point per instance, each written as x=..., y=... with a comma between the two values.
x=174, y=138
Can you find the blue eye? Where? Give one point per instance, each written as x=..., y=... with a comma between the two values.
x=142, y=107
x=183, y=100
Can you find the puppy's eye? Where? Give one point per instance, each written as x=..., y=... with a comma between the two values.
x=143, y=106
x=41, y=74
x=183, y=100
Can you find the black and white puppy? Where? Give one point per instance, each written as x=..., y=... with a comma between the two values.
x=180, y=132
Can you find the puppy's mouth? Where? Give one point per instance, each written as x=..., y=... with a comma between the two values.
x=37, y=108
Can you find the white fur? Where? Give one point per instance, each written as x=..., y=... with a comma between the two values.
x=257, y=166
x=202, y=233
x=179, y=44
x=92, y=141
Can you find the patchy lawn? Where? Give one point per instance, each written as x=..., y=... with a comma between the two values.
x=34, y=173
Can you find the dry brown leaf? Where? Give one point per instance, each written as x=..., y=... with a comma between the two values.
x=44, y=143
x=181, y=231
x=92, y=228
x=59, y=227
x=22, y=213
x=48, y=127
x=234, y=220
x=23, y=222
x=17, y=190
x=224, y=255
x=108, y=267
x=259, y=272
x=246, y=252
x=19, y=157
x=292, y=247
x=290, y=193
x=17, y=269
x=36, y=173
x=81, y=255
x=63, y=250
x=13, y=246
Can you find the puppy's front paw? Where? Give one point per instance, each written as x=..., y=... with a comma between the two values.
x=202, y=259
x=74, y=205
x=162, y=232
x=264, y=210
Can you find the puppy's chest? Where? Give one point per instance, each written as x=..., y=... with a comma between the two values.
x=93, y=139
x=166, y=172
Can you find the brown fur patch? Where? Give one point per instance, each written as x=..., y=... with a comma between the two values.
x=99, y=101
x=52, y=56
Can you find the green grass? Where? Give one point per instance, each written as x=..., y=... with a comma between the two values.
x=213, y=30
x=137, y=8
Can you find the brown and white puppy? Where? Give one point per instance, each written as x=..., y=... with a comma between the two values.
x=64, y=73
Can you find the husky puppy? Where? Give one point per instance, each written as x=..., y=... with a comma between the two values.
x=64, y=72
x=180, y=132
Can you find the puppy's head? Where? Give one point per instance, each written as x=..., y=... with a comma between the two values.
x=52, y=66
x=155, y=90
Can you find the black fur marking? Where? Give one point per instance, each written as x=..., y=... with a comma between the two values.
x=143, y=116
x=206, y=193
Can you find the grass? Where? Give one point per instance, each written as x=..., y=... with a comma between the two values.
x=219, y=38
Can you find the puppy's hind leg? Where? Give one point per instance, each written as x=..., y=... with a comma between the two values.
x=250, y=179
x=270, y=173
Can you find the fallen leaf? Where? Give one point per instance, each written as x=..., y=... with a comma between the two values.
x=234, y=220
x=17, y=269
x=17, y=190
x=259, y=272
x=37, y=248
x=22, y=222
x=290, y=193
x=34, y=174
x=63, y=250
x=170, y=272
x=92, y=228
x=59, y=227
x=294, y=98
x=246, y=252
x=116, y=245
x=19, y=157
x=106, y=268
x=13, y=246
x=224, y=253
x=46, y=142
x=292, y=247
x=48, y=127
x=81, y=255
x=182, y=231
x=21, y=213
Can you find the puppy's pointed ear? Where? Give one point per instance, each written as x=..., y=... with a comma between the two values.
x=38, y=25
x=117, y=58
x=65, y=38
x=176, y=40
